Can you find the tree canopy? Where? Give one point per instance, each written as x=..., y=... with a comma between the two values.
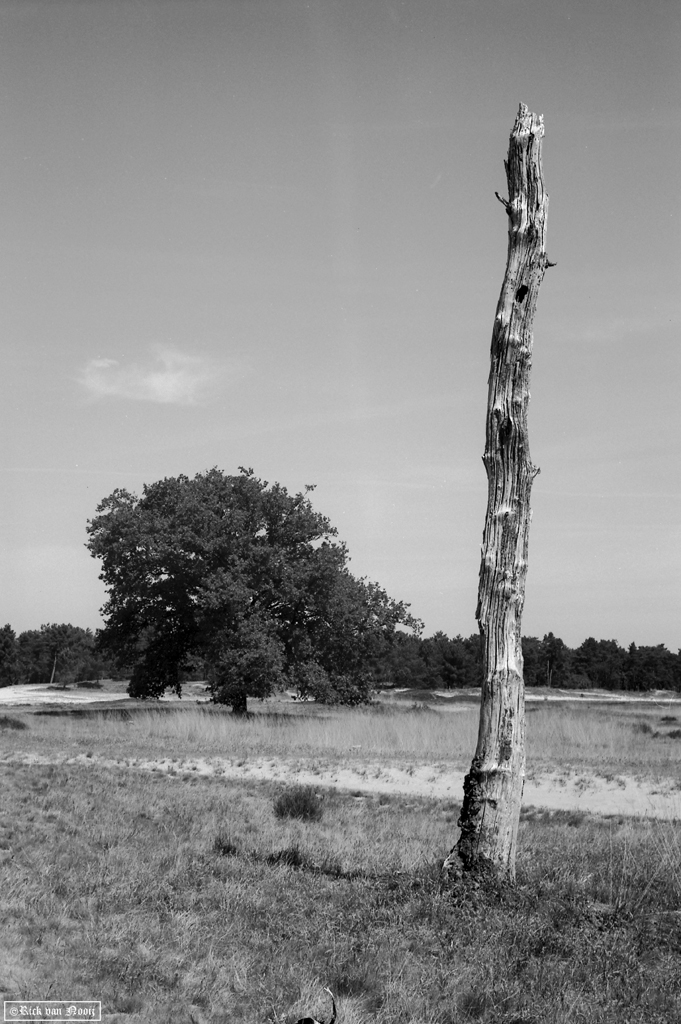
x=246, y=577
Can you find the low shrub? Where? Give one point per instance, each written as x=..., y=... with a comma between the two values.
x=6, y=722
x=643, y=727
x=224, y=847
x=299, y=802
x=293, y=857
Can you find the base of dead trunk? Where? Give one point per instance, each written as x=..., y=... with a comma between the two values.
x=491, y=806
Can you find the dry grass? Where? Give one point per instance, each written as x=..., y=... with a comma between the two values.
x=617, y=739
x=358, y=735
x=189, y=900
x=583, y=737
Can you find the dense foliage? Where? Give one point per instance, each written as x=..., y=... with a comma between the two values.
x=243, y=577
x=57, y=653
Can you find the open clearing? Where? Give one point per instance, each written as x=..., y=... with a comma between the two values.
x=145, y=864
x=601, y=772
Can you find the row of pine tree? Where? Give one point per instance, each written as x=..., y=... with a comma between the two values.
x=64, y=654
x=439, y=662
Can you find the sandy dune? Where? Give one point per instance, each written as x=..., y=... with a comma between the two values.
x=619, y=796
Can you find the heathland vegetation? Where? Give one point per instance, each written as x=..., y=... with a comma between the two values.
x=141, y=869
x=173, y=895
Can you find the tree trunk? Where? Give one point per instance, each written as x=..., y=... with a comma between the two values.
x=239, y=702
x=493, y=787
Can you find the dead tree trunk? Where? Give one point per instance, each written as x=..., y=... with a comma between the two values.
x=493, y=787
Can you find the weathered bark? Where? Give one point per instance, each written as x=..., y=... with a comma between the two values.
x=493, y=787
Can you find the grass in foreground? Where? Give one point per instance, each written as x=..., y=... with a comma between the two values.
x=189, y=900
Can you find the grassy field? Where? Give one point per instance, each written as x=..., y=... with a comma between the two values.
x=177, y=898
x=635, y=739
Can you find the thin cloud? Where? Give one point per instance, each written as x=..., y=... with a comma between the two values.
x=169, y=378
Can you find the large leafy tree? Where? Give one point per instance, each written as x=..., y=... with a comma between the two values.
x=243, y=575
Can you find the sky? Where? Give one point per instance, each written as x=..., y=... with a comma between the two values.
x=263, y=233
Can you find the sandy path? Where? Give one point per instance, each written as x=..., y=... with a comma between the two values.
x=34, y=695
x=38, y=694
x=620, y=796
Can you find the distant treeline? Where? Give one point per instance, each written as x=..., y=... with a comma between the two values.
x=63, y=654
x=439, y=662
x=56, y=653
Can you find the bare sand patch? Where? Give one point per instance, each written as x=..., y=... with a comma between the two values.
x=40, y=694
x=569, y=791
x=37, y=695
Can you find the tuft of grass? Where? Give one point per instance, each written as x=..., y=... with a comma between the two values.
x=7, y=722
x=643, y=727
x=224, y=847
x=299, y=802
x=292, y=857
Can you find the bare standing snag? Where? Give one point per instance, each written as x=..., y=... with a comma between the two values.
x=493, y=788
